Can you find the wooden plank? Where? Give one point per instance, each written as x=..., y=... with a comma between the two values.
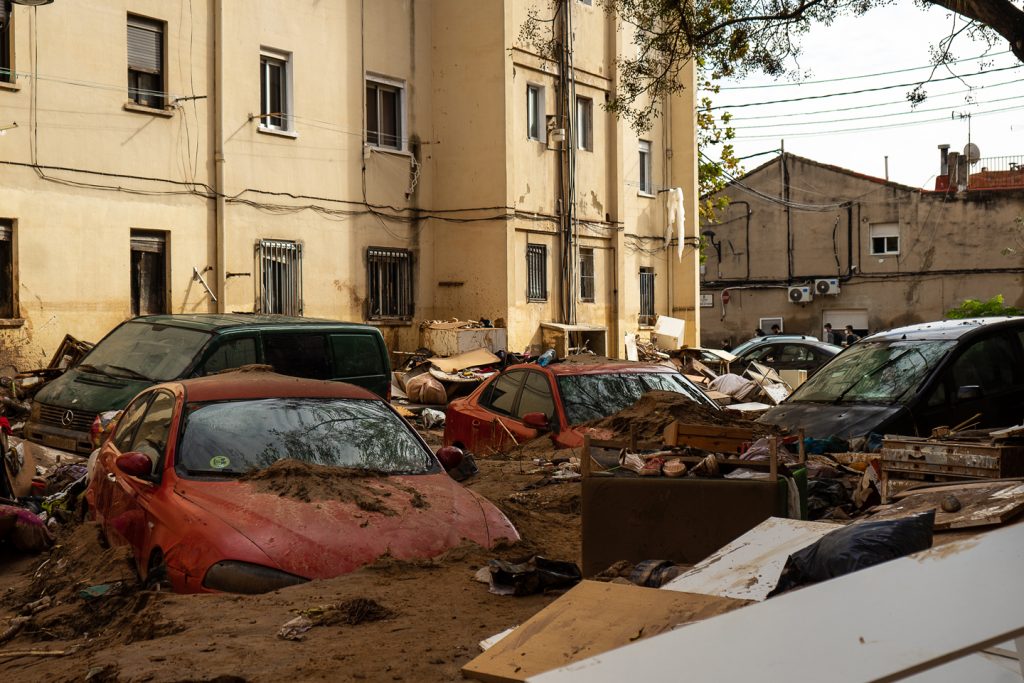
x=592, y=618
x=763, y=373
x=703, y=369
x=749, y=567
x=983, y=506
x=954, y=487
x=865, y=626
x=777, y=393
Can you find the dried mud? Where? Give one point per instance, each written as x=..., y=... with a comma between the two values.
x=390, y=621
x=370, y=491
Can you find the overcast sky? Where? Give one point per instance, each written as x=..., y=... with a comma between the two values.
x=887, y=39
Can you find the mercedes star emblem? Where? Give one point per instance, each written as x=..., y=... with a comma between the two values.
x=68, y=418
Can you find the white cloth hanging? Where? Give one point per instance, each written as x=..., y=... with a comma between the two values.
x=676, y=218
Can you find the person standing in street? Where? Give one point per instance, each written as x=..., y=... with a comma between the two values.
x=830, y=335
x=850, y=337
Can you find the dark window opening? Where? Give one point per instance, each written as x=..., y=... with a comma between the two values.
x=149, y=272
x=586, y=274
x=536, y=272
x=647, y=314
x=383, y=115
x=389, y=287
x=6, y=56
x=146, y=62
x=273, y=93
x=7, y=289
x=279, y=264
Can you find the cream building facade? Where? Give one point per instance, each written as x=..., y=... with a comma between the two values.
x=391, y=161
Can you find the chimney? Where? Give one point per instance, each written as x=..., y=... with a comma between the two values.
x=953, y=168
x=944, y=159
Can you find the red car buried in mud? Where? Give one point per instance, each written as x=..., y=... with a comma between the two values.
x=252, y=481
x=527, y=400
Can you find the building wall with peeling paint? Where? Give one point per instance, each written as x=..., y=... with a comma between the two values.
x=464, y=195
x=951, y=247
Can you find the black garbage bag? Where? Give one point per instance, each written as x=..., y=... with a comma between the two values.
x=824, y=495
x=536, y=575
x=854, y=547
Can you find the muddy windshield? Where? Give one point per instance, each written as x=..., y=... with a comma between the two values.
x=147, y=351
x=591, y=397
x=235, y=437
x=874, y=372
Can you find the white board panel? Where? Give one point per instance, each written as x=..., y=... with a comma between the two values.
x=749, y=567
x=882, y=623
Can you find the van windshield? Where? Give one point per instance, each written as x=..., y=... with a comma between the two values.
x=874, y=372
x=147, y=351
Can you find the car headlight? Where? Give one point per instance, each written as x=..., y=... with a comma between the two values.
x=241, y=577
x=37, y=409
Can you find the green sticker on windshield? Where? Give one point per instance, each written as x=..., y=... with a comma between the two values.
x=219, y=462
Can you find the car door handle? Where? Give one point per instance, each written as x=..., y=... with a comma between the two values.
x=476, y=423
x=111, y=477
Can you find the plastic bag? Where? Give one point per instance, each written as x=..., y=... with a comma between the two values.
x=854, y=547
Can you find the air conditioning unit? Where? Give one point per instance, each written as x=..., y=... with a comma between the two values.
x=800, y=295
x=826, y=287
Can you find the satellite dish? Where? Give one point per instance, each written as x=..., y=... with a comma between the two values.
x=972, y=153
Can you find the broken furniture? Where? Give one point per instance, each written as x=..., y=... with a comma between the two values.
x=591, y=618
x=680, y=519
x=949, y=459
x=452, y=337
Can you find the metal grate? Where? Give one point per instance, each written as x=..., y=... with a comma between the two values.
x=586, y=274
x=536, y=272
x=389, y=283
x=647, y=315
x=81, y=420
x=279, y=265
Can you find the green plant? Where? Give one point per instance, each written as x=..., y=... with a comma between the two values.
x=973, y=308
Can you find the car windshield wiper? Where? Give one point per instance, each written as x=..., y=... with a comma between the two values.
x=92, y=368
x=131, y=373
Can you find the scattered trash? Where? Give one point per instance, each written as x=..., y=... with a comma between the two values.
x=431, y=418
x=536, y=575
x=348, y=612
x=25, y=530
x=101, y=590
x=854, y=547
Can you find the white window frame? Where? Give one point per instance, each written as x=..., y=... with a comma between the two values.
x=646, y=168
x=266, y=123
x=585, y=124
x=886, y=231
x=392, y=84
x=156, y=98
x=588, y=275
x=535, y=113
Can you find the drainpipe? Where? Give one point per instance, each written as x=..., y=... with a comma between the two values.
x=218, y=153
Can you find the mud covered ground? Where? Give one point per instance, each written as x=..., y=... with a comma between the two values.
x=392, y=621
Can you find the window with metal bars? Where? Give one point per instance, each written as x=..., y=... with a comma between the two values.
x=279, y=272
x=586, y=274
x=389, y=288
x=146, y=62
x=536, y=272
x=647, y=314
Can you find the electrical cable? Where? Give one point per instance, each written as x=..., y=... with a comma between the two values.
x=852, y=78
x=861, y=91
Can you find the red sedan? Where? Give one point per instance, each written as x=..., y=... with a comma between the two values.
x=249, y=482
x=527, y=400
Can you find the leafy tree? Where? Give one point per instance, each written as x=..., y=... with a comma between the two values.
x=973, y=308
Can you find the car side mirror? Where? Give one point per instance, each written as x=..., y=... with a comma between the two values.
x=538, y=421
x=450, y=457
x=135, y=464
x=969, y=392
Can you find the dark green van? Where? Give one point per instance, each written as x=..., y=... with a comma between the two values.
x=152, y=349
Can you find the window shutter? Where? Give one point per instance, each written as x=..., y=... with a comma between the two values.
x=151, y=242
x=145, y=45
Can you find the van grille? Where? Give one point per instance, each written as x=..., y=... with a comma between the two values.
x=54, y=416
